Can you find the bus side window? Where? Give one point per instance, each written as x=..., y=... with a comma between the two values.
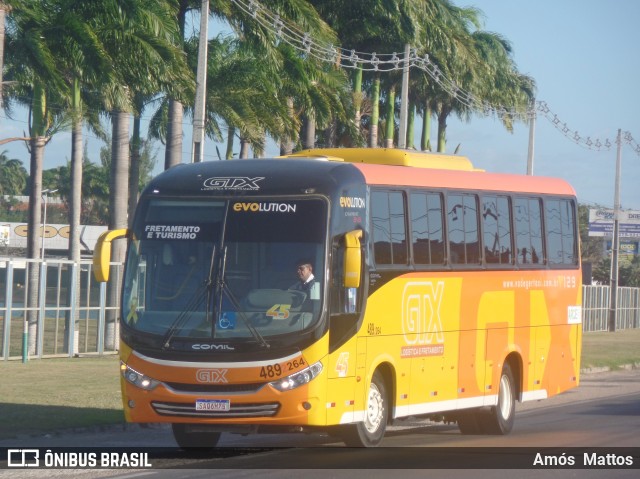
x=427, y=231
x=528, y=219
x=560, y=229
x=462, y=223
x=496, y=222
x=388, y=227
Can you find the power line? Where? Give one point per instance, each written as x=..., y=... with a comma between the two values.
x=305, y=43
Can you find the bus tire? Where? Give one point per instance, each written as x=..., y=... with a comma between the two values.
x=187, y=439
x=501, y=417
x=369, y=433
x=469, y=422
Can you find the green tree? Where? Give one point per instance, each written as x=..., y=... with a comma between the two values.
x=13, y=176
x=33, y=66
x=591, y=250
x=628, y=273
x=365, y=26
x=489, y=74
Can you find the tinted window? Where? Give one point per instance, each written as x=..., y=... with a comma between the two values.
x=427, y=229
x=389, y=234
x=496, y=222
x=561, y=239
x=528, y=224
x=462, y=222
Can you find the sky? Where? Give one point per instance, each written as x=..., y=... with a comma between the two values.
x=582, y=55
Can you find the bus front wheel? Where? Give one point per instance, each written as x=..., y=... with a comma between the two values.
x=189, y=437
x=369, y=433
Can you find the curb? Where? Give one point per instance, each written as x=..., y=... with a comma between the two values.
x=605, y=369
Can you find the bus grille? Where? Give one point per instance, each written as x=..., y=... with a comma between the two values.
x=215, y=388
x=236, y=411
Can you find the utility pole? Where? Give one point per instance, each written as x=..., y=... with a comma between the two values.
x=201, y=86
x=532, y=138
x=615, y=242
x=45, y=197
x=404, y=99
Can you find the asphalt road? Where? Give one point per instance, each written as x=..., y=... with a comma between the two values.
x=604, y=412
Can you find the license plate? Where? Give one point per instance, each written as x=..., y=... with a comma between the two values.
x=213, y=405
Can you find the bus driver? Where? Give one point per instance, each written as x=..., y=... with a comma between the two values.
x=307, y=282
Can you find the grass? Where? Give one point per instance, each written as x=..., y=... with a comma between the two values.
x=52, y=394
x=46, y=395
x=611, y=350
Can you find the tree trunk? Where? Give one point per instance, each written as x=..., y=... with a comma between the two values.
x=287, y=143
x=357, y=96
x=173, y=149
x=34, y=233
x=425, y=140
x=442, y=130
x=375, y=112
x=34, y=243
x=75, y=209
x=230, y=136
x=75, y=202
x=411, y=121
x=309, y=132
x=134, y=171
x=390, y=117
x=244, y=149
x=118, y=194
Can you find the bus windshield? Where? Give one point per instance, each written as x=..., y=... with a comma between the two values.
x=225, y=269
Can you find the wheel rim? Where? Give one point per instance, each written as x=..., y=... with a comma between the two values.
x=375, y=409
x=505, y=398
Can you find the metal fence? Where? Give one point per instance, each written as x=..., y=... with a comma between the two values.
x=75, y=314
x=68, y=290
x=595, y=308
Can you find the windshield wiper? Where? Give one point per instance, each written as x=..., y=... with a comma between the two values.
x=210, y=285
x=224, y=288
x=192, y=305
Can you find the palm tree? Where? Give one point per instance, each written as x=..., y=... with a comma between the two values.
x=366, y=26
x=13, y=176
x=175, y=107
x=479, y=63
x=34, y=66
x=131, y=30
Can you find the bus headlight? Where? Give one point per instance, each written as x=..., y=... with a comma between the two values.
x=138, y=379
x=298, y=379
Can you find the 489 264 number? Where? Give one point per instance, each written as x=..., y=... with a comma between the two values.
x=275, y=370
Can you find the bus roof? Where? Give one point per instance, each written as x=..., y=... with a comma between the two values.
x=322, y=170
x=471, y=180
x=387, y=166
x=389, y=156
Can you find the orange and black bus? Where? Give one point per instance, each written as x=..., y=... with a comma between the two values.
x=439, y=291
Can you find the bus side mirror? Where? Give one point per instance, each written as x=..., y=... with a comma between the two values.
x=352, y=259
x=102, y=253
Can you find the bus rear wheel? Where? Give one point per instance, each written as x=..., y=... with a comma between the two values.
x=501, y=417
x=190, y=436
x=369, y=433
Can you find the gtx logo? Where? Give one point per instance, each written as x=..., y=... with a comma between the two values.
x=211, y=375
x=232, y=183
